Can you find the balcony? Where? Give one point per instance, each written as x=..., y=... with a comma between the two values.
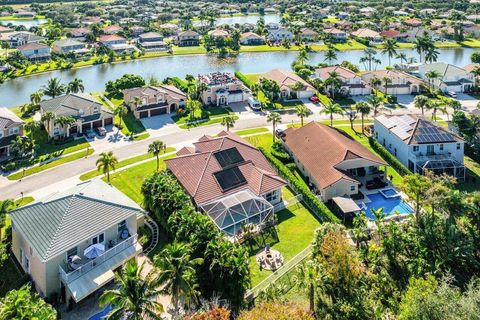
x=97, y=272
x=430, y=157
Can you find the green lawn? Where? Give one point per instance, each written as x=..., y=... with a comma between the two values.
x=350, y=45
x=123, y=163
x=472, y=43
x=189, y=50
x=287, y=104
x=45, y=147
x=209, y=116
x=295, y=230
x=251, y=131
x=261, y=140
x=472, y=182
x=447, y=45
x=253, y=77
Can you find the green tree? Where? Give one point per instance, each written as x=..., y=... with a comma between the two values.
x=389, y=48
x=75, y=86
x=375, y=102
x=330, y=55
x=302, y=112
x=23, y=304
x=53, y=88
x=121, y=111
x=333, y=82
x=156, y=148
x=36, y=97
x=275, y=118
x=364, y=109
x=431, y=76
x=192, y=106
x=228, y=121
x=420, y=102
x=65, y=122
x=106, y=162
x=332, y=109
x=31, y=127
x=5, y=207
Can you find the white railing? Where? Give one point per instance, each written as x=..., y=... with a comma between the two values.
x=286, y=203
x=446, y=156
x=92, y=264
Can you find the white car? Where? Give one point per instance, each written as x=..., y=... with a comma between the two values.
x=452, y=94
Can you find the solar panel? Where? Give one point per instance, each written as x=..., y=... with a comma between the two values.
x=228, y=157
x=230, y=178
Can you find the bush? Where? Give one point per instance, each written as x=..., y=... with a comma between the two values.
x=281, y=155
x=390, y=158
x=244, y=79
x=308, y=197
x=363, y=41
x=144, y=236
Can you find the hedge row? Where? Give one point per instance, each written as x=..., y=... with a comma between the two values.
x=390, y=158
x=363, y=41
x=308, y=197
x=244, y=79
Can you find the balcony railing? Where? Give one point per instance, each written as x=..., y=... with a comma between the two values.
x=446, y=156
x=90, y=265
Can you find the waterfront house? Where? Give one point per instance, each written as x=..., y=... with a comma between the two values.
x=35, y=51
x=392, y=33
x=251, y=38
x=287, y=81
x=421, y=144
x=280, y=34
x=155, y=100
x=188, y=38
x=85, y=109
x=218, y=33
x=80, y=33
x=400, y=82
x=352, y=83
x=137, y=30
x=11, y=126
x=412, y=34
x=223, y=88
x=451, y=77
x=336, y=35
x=367, y=34
x=230, y=180
x=309, y=35
x=169, y=28
x=71, y=242
x=334, y=164
x=112, y=29
x=4, y=29
x=69, y=45
x=152, y=41
x=18, y=39
x=116, y=43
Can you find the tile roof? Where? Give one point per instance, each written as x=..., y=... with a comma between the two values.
x=320, y=149
x=7, y=118
x=285, y=78
x=393, y=74
x=195, y=168
x=111, y=37
x=32, y=46
x=61, y=221
x=72, y=104
x=365, y=33
x=151, y=93
x=344, y=73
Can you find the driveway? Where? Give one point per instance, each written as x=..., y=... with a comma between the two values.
x=468, y=102
x=111, y=140
x=405, y=100
x=240, y=107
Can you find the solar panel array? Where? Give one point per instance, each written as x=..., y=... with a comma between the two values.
x=230, y=178
x=402, y=126
x=228, y=157
x=432, y=134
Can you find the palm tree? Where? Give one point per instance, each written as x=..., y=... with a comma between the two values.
x=306, y=278
x=331, y=109
x=106, y=162
x=47, y=118
x=228, y=121
x=352, y=116
x=402, y=56
x=176, y=272
x=333, y=82
x=53, y=88
x=435, y=106
x=155, y=148
x=65, y=123
x=476, y=73
x=330, y=55
x=134, y=296
x=389, y=47
x=369, y=57
x=192, y=106
x=431, y=55
x=75, y=86
x=420, y=102
x=364, y=109
x=36, y=97
x=6, y=46
x=302, y=112
x=274, y=118
x=121, y=111
x=375, y=102
x=32, y=126
x=5, y=207
x=386, y=82
x=431, y=75
x=302, y=56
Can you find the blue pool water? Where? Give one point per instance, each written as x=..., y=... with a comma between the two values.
x=389, y=205
x=101, y=314
x=390, y=193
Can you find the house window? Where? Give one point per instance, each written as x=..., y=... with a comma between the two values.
x=13, y=130
x=209, y=99
x=26, y=264
x=56, y=131
x=352, y=188
x=458, y=146
x=72, y=252
x=430, y=150
x=441, y=147
x=99, y=239
x=95, y=109
x=416, y=148
x=376, y=135
x=395, y=152
x=271, y=196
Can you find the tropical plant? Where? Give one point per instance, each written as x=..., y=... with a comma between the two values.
x=228, y=121
x=65, y=123
x=192, y=106
x=36, y=97
x=436, y=105
x=330, y=54
x=75, y=86
x=375, y=102
x=369, y=57
x=389, y=48
x=431, y=76
x=31, y=127
x=333, y=82
x=302, y=112
x=21, y=147
x=53, y=88
x=274, y=118
x=106, y=162
x=121, y=111
x=420, y=102
x=364, y=109
x=352, y=116
x=156, y=148
x=332, y=109
x=5, y=207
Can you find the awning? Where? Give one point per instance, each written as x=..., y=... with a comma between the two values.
x=347, y=205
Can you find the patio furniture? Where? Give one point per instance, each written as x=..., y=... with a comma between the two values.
x=94, y=251
x=74, y=262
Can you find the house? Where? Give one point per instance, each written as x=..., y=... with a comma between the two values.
x=336, y=35
x=152, y=41
x=421, y=144
x=251, y=38
x=218, y=33
x=352, y=83
x=69, y=45
x=155, y=100
x=85, y=109
x=137, y=30
x=170, y=28
x=470, y=68
x=11, y=126
x=309, y=35
x=80, y=34
x=4, y=29
x=411, y=34
x=20, y=38
x=89, y=20
x=393, y=34
x=280, y=34
x=52, y=239
x=451, y=77
x=400, y=82
x=367, y=34
x=287, y=81
x=412, y=22
x=223, y=88
x=188, y=38
x=35, y=51
x=116, y=43
x=333, y=163
x=112, y=29
x=230, y=180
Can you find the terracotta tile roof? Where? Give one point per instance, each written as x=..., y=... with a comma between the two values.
x=110, y=37
x=320, y=149
x=195, y=167
x=470, y=67
x=334, y=31
x=390, y=33
x=285, y=78
x=365, y=33
x=345, y=73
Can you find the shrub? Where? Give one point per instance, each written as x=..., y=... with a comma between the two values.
x=244, y=79
x=144, y=236
x=390, y=158
x=281, y=155
x=363, y=41
x=308, y=197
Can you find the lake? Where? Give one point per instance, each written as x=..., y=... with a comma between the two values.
x=17, y=91
x=252, y=19
x=26, y=23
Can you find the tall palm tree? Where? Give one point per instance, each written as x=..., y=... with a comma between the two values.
x=333, y=82
x=65, y=123
x=386, y=82
x=389, y=48
x=75, y=86
x=364, y=109
x=436, y=105
x=156, y=148
x=53, y=88
x=302, y=56
x=176, y=272
x=106, y=162
x=431, y=76
x=375, y=102
x=331, y=109
x=192, y=106
x=274, y=118
x=402, y=56
x=5, y=207
x=476, y=73
x=121, y=111
x=47, y=118
x=31, y=127
x=420, y=102
x=36, y=97
x=302, y=112
x=330, y=55
x=228, y=121
x=134, y=296
x=431, y=55
x=369, y=57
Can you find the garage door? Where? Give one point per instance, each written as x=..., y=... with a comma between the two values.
x=156, y=112
x=97, y=123
x=86, y=126
x=305, y=94
x=73, y=129
x=400, y=90
x=237, y=97
x=108, y=121
x=143, y=114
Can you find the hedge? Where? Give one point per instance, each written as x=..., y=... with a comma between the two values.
x=244, y=79
x=308, y=197
x=181, y=84
x=390, y=158
x=363, y=41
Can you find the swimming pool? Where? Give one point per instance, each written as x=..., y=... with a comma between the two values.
x=390, y=205
x=390, y=193
x=101, y=314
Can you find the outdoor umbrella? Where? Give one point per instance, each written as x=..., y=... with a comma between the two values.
x=94, y=251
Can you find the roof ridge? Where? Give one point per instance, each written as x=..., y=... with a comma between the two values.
x=203, y=173
x=60, y=224
x=413, y=130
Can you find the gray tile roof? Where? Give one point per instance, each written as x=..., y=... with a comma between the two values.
x=59, y=222
x=7, y=118
x=71, y=104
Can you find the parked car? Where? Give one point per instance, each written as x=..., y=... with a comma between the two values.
x=452, y=94
x=279, y=133
x=254, y=104
x=101, y=131
x=314, y=99
x=90, y=134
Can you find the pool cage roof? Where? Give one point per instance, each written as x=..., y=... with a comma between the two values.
x=233, y=211
x=439, y=166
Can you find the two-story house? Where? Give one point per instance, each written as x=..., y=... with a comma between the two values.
x=367, y=34
x=80, y=34
x=65, y=46
x=251, y=38
x=288, y=81
x=116, y=43
x=352, y=83
x=152, y=41
x=35, y=51
x=24, y=37
x=336, y=35
x=155, y=100
x=70, y=242
x=279, y=35
x=84, y=108
x=188, y=38
x=309, y=35
x=223, y=88
x=11, y=126
x=421, y=144
x=399, y=82
x=451, y=77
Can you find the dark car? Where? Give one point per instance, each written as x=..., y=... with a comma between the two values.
x=90, y=134
x=279, y=133
x=101, y=131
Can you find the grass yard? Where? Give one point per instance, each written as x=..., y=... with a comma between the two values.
x=261, y=140
x=472, y=182
x=447, y=45
x=41, y=138
x=209, y=116
x=471, y=43
x=253, y=77
x=294, y=232
x=251, y=131
x=350, y=45
x=287, y=104
x=188, y=50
